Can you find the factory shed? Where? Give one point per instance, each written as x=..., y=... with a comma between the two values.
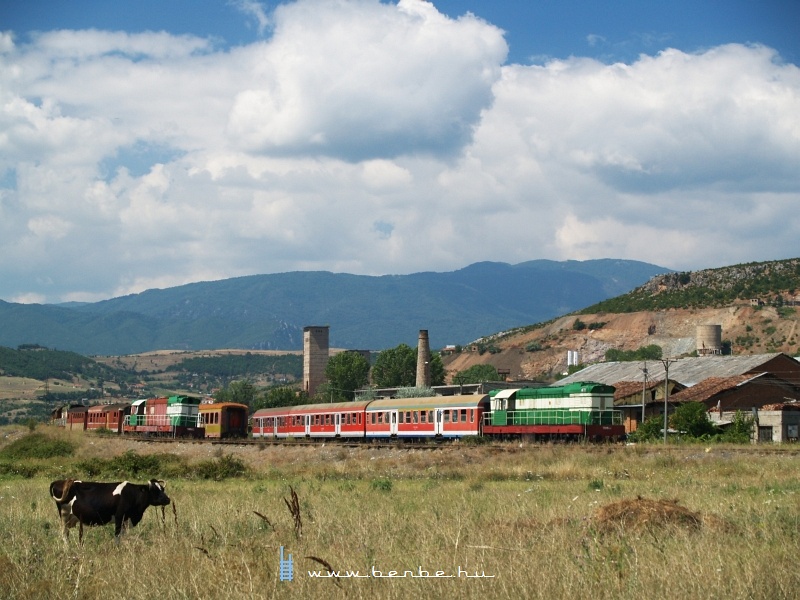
x=740, y=392
x=690, y=371
x=629, y=395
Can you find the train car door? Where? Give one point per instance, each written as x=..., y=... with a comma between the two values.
x=337, y=424
x=438, y=426
x=308, y=424
x=393, y=423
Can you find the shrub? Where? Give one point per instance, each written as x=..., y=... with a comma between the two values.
x=37, y=445
x=381, y=485
x=224, y=467
x=131, y=465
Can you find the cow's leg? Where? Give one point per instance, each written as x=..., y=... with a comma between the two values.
x=119, y=521
x=66, y=519
x=64, y=532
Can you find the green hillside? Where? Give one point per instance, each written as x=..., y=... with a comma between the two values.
x=773, y=282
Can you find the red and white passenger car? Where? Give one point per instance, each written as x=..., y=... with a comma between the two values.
x=434, y=417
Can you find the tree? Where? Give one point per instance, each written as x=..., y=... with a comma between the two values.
x=346, y=372
x=395, y=367
x=692, y=419
x=280, y=396
x=243, y=392
x=476, y=374
x=438, y=372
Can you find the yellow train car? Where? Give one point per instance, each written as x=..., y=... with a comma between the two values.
x=223, y=420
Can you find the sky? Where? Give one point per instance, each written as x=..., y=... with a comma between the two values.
x=148, y=144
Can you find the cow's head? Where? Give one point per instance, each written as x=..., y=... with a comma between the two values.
x=157, y=495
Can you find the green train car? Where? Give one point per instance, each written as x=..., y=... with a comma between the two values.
x=582, y=409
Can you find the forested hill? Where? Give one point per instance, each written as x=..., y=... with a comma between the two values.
x=269, y=312
x=772, y=282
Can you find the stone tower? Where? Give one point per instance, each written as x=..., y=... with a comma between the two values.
x=315, y=356
x=423, y=360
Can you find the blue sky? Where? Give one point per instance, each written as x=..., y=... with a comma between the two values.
x=154, y=143
x=608, y=30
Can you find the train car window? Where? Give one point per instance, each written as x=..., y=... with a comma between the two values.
x=423, y=416
x=447, y=416
x=408, y=416
x=455, y=416
x=373, y=418
x=463, y=415
x=327, y=419
x=415, y=416
x=380, y=418
x=359, y=418
x=471, y=415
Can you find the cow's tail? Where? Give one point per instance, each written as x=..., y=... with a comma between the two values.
x=67, y=483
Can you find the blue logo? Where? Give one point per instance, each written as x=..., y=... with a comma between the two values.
x=287, y=567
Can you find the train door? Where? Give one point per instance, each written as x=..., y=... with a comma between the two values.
x=393, y=422
x=438, y=427
x=337, y=424
x=308, y=424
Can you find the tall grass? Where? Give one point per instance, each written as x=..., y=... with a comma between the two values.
x=532, y=518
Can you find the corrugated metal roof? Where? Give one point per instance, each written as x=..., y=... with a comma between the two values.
x=688, y=371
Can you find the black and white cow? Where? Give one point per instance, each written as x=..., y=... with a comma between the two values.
x=94, y=503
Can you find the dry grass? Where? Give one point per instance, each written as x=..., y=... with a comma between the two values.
x=544, y=522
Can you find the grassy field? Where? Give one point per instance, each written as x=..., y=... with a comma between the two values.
x=536, y=522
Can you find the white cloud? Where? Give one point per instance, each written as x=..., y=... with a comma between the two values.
x=376, y=138
x=256, y=10
x=361, y=79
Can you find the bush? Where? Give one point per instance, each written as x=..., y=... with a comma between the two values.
x=37, y=445
x=131, y=465
x=381, y=485
x=691, y=419
x=651, y=430
x=221, y=468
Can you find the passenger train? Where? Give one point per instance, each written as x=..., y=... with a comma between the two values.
x=574, y=412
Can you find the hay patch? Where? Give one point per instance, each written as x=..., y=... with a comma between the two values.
x=642, y=513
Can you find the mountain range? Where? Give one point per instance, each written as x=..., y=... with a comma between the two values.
x=365, y=312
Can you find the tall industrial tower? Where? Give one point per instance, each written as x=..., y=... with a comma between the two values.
x=423, y=360
x=315, y=356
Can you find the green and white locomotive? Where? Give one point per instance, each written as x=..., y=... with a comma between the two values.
x=573, y=411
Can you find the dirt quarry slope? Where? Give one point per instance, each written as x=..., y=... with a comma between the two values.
x=541, y=351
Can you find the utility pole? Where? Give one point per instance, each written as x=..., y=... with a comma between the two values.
x=644, y=388
x=666, y=362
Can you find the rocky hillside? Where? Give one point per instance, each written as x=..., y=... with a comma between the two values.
x=754, y=304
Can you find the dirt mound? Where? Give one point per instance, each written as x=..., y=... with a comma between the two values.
x=641, y=513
